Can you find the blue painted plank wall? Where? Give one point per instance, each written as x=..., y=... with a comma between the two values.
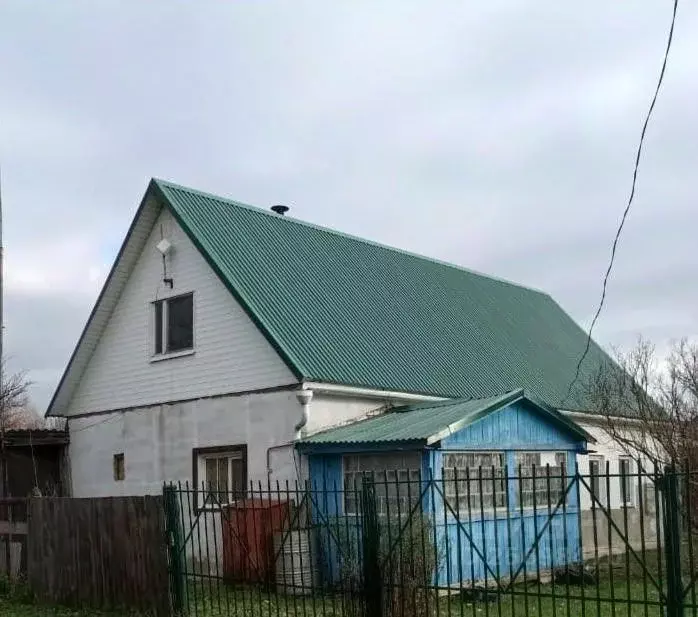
x=516, y=427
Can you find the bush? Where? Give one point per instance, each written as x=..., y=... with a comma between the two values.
x=408, y=558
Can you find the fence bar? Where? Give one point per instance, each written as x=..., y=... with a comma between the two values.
x=672, y=527
x=174, y=541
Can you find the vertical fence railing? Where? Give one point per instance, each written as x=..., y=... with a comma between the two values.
x=530, y=542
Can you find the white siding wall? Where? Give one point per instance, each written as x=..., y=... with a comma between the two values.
x=231, y=354
x=157, y=441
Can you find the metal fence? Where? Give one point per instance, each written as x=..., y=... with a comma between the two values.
x=481, y=542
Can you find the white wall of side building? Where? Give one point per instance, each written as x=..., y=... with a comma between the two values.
x=607, y=451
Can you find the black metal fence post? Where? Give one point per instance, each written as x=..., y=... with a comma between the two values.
x=672, y=543
x=371, y=539
x=173, y=530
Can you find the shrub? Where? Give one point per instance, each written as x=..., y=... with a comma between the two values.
x=408, y=557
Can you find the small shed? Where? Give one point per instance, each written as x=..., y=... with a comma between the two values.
x=493, y=477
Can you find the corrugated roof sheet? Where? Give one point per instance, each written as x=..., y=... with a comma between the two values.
x=344, y=310
x=428, y=422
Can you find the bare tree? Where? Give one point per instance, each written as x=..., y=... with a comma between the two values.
x=650, y=407
x=13, y=399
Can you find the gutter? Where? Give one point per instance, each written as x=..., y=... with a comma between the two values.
x=597, y=419
x=330, y=388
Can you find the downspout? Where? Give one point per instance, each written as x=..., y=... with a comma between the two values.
x=304, y=397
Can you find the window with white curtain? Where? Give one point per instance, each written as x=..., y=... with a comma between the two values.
x=549, y=484
x=396, y=479
x=474, y=481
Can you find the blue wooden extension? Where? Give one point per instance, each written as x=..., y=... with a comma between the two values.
x=509, y=542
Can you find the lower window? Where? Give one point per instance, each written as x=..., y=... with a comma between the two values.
x=220, y=475
x=597, y=476
x=474, y=481
x=541, y=481
x=625, y=471
x=396, y=479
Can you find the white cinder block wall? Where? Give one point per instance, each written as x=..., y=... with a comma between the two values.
x=610, y=451
x=157, y=441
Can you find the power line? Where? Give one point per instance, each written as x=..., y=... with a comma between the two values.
x=629, y=204
x=84, y=428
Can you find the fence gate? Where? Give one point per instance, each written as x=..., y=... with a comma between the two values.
x=535, y=543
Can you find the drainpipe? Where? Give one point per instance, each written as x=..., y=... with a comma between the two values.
x=304, y=397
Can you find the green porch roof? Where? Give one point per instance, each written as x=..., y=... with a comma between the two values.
x=344, y=310
x=431, y=422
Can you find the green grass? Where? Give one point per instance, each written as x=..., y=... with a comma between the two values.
x=523, y=602
x=18, y=607
x=632, y=594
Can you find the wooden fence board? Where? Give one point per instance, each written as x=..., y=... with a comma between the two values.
x=103, y=553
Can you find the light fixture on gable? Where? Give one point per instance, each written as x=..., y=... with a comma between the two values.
x=165, y=246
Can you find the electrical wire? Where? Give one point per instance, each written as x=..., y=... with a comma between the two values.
x=627, y=207
x=84, y=428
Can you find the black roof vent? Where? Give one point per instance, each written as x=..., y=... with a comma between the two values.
x=280, y=210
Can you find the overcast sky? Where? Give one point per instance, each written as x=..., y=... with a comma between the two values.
x=498, y=135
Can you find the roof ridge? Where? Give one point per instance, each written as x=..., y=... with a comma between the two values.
x=291, y=219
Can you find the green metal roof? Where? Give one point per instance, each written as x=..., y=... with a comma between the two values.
x=431, y=422
x=344, y=310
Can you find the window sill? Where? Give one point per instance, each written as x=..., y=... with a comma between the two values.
x=171, y=355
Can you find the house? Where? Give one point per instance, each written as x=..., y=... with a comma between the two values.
x=227, y=336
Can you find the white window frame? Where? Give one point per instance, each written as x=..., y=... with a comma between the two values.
x=469, y=497
x=630, y=501
x=164, y=354
x=407, y=474
x=542, y=476
x=600, y=476
x=229, y=453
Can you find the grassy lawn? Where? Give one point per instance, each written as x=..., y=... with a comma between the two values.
x=18, y=607
x=524, y=602
x=633, y=594
x=531, y=601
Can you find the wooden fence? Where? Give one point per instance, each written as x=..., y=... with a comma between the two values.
x=13, y=536
x=104, y=553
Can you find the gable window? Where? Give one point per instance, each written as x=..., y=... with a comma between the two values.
x=625, y=469
x=474, y=481
x=220, y=475
x=396, y=479
x=173, y=324
x=548, y=486
x=596, y=476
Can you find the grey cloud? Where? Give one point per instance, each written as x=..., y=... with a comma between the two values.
x=499, y=136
